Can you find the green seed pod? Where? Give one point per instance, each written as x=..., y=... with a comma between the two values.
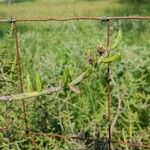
x=117, y=40
x=112, y=58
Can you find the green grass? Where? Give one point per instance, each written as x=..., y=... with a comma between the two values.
x=63, y=8
x=48, y=48
x=45, y=8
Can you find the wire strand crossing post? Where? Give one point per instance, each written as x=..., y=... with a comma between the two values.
x=19, y=71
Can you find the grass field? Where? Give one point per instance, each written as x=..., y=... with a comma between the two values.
x=62, y=8
x=48, y=50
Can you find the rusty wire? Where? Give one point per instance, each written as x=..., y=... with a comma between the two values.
x=18, y=64
x=69, y=138
x=51, y=135
x=9, y=20
x=108, y=82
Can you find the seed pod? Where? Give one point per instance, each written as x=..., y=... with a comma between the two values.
x=117, y=40
x=75, y=89
x=101, y=50
x=112, y=58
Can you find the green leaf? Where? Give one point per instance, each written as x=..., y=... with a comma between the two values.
x=117, y=40
x=112, y=58
x=38, y=82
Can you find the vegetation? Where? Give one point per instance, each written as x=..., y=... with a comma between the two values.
x=54, y=54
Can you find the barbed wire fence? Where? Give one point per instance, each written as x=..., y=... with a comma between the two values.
x=23, y=96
